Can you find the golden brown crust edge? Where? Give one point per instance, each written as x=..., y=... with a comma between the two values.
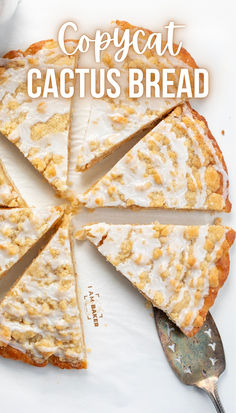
x=201, y=118
x=32, y=49
x=222, y=265
x=15, y=354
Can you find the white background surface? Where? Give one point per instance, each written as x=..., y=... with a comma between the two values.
x=127, y=371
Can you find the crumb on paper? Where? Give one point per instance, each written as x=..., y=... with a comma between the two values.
x=89, y=350
x=222, y=132
x=217, y=221
x=148, y=305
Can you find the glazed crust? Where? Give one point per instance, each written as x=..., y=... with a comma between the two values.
x=15, y=354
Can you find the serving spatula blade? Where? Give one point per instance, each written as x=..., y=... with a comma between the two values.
x=197, y=361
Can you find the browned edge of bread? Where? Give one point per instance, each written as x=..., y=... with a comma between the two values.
x=222, y=265
x=15, y=354
x=219, y=154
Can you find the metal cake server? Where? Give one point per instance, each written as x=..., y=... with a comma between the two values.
x=197, y=361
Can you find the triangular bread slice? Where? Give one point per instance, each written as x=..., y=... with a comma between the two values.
x=178, y=268
x=40, y=320
x=177, y=165
x=9, y=194
x=20, y=229
x=112, y=122
x=39, y=127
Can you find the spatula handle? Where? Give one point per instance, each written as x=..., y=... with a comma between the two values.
x=214, y=396
x=209, y=385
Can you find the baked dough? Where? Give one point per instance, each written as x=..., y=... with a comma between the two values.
x=40, y=321
x=178, y=268
x=20, y=229
x=38, y=127
x=177, y=165
x=9, y=194
x=111, y=122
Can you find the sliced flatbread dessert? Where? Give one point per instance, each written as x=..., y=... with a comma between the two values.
x=9, y=194
x=40, y=320
x=20, y=229
x=180, y=269
x=111, y=122
x=39, y=127
x=176, y=165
